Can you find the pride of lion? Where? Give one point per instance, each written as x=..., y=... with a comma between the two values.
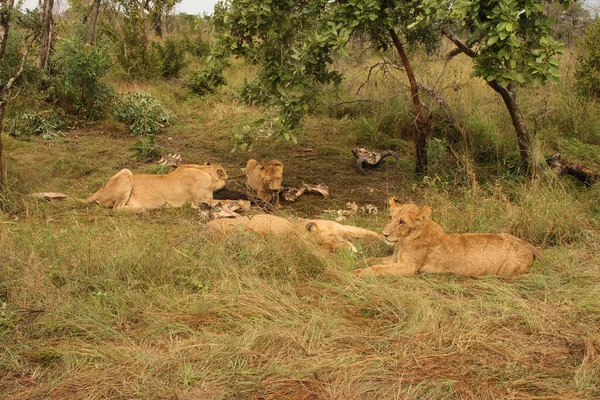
x=420, y=244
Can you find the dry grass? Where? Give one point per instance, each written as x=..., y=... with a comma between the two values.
x=97, y=304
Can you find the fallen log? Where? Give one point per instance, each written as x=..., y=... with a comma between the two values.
x=562, y=167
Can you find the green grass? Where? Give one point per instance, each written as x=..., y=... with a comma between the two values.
x=100, y=304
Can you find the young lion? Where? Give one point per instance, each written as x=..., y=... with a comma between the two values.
x=263, y=179
x=420, y=245
x=329, y=234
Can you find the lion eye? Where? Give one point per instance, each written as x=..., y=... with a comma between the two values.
x=401, y=222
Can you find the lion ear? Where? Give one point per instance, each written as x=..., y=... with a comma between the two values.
x=310, y=226
x=250, y=165
x=393, y=202
x=423, y=213
x=221, y=174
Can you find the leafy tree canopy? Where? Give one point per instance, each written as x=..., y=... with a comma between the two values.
x=510, y=40
x=295, y=42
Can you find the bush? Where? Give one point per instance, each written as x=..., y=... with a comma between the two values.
x=587, y=70
x=47, y=123
x=75, y=79
x=208, y=80
x=196, y=46
x=170, y=57
x=144, y=114
x=146, y=149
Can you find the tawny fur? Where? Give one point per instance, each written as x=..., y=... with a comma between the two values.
x=329, y=234
x=422, y=246
x=263, y=180
x=189, y=183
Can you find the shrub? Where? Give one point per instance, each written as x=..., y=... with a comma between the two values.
x=144, y=114
x=146, y=149
x=196, y=46
x=170, y=57
x=208, y=80
x=47, y=123
x=75, y=79
x=11, y=62
x=587, y=70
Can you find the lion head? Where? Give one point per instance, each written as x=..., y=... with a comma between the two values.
x=216, y=171
x=265, y=178
x=218, y=174
x=271, y=174
x=404, y=220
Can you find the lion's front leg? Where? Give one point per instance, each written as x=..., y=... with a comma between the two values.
x=381, y=260
x=395, y=269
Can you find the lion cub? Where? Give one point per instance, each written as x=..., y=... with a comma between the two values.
x=420, y=245
x=329, y=234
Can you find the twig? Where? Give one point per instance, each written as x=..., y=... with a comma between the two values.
x=369, y=76
x=12, y=79
x=356, y=101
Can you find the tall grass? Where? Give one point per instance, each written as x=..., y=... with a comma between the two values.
x=124, y=306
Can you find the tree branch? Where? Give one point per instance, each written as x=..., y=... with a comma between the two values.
x=16, y=76
x=459, y=43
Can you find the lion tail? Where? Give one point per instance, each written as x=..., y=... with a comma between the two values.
x=49, y=196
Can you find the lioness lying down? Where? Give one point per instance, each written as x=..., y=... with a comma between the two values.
x=188, y=183
x=329, y=234
x=420, y=245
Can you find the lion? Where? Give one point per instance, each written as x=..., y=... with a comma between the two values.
x=188, y=183
x=263, y=180
x=330, y=234
x=420, y=245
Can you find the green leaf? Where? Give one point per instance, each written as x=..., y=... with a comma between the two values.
x=554, y=72
x=520, y=78
x=492, y=40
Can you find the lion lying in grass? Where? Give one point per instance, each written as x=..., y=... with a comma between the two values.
x=329, y=234
x=422, y=246
x=189, y=183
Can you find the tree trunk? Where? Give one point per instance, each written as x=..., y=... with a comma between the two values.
x=157, y=20
x=6, y=7
x=422, y=123
x=518, y=120
x=2, y=169
x=92, y=24
x=142, y=31
x=510, y=100
x=46, y=38
x=5, y=10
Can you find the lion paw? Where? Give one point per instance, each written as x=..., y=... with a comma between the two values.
x=362, y=272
